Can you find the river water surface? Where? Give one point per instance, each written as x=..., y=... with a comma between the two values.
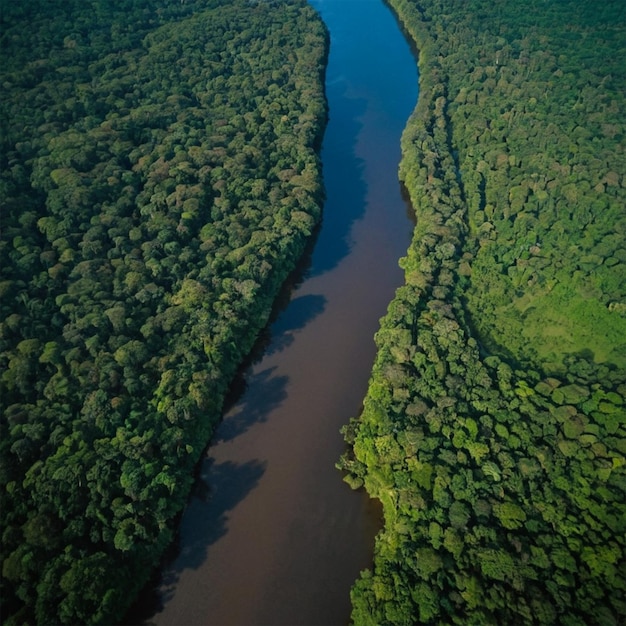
x=272, y=535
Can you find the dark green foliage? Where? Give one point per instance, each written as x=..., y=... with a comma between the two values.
x=501, y=463
x=159, y=180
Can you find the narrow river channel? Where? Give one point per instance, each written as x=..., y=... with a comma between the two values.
x=272, y=535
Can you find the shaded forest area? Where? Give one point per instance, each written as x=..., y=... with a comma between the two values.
x=159, y=180
x=494, y=429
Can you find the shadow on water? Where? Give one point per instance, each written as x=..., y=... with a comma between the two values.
x=344, y=181
x=218, y=490
x=408, y=205
x=278, y=335
x=254, y=396
x=264, y=393
x=301, y=311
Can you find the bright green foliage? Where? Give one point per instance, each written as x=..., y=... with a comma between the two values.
x=159, y=179
x=500, y=369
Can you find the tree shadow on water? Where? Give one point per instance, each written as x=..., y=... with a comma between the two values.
x=296, y=316
x=253, y=396
x=344, y=182
x=263, y=393
x=219, y=489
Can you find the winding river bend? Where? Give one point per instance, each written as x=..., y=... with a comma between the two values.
x=272, y=535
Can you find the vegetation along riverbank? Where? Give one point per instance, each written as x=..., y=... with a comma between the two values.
x=494, y=426
x=159, y=179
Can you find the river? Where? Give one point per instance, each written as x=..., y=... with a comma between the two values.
x=272, y=535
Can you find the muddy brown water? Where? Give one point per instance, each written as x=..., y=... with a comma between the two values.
x=272, y=535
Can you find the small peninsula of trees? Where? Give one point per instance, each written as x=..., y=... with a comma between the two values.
x=494, y=429
x=159, y=179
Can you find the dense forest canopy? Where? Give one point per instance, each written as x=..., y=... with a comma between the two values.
x=543, y=165
x=494, y=429
x=159, y=179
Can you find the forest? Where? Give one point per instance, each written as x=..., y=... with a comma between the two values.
x=494, y=427
x=159, y=179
